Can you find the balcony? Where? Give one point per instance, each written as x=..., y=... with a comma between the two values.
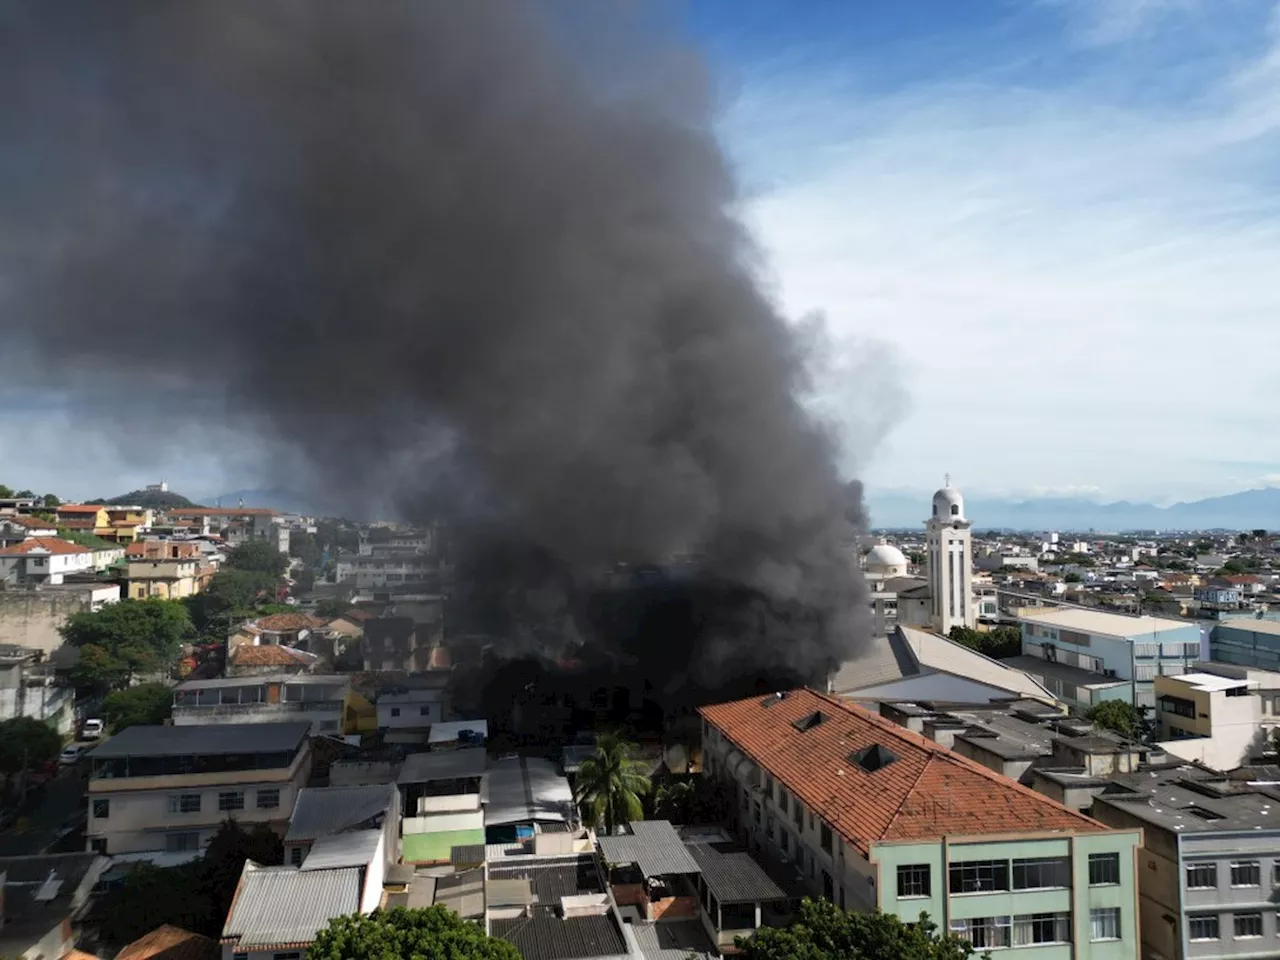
x=244, y=712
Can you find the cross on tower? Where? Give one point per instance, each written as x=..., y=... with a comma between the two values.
x=946, y=479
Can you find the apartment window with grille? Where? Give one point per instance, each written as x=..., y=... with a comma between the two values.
x=1041, y=874
x=185, y=842
x=1246, y=873
x=101, y=809
x=184, y=803
x=1248, y=925
x=1204, y=927
x=295, y=856
x=824, y=839
x=913, y=880
x=1104, y=868
x=1104, y=923
x=985, y=933
x=395, y=711
x=1202, y=876
x=231, y=800
x=1041, y=928
x=269, y=798
x=979, y=876
x=424, y=711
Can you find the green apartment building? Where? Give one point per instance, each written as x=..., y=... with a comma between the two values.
x=871, y=815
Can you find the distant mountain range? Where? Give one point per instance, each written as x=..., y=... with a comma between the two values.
x=1248, y=510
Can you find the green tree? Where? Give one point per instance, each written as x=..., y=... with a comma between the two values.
x=224, y=859
x=303, y=546
x=393, y=934
x=26, y=494
x=5, y=492
x=675, y=800
x=259, y=556
x=97, y=670
x=825, y=932
x=149, y=896
x=147, y=704
x=611, y=783
x=1071, y=577
x=332, y=608
x=27, y=744
x=50, y=500
x=127, y=628
x=997, y=643
x=234, y=594
x=1119, y=716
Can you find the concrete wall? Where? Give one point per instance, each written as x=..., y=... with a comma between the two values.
x=31, y=618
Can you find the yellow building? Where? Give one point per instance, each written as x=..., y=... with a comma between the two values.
x=117, y=524
x=164, y=569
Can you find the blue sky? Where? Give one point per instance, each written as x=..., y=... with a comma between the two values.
x=1044, y=235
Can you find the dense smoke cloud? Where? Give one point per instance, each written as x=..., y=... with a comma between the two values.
x=428, y=244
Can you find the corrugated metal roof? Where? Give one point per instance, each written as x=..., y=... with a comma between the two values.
x=278, y=905
x=443, y=765
x=526, y=789
x=354, y=849
x=733, y=876
x=653, y=846
x=321, y=811
x=221, y=738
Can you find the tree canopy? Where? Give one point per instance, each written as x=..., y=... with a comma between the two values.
x=27, y=744
x=393, y=934
x=147, y=704
x=259, y=556
x=610, y=784
x=125, y=639
x=997, y=643
x=1120, y=716
x=825, y=932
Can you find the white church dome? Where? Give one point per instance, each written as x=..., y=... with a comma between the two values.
x=886, y=560
x=948, y=504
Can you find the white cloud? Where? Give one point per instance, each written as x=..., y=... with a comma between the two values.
x=1105, y=22
x=1082, y=289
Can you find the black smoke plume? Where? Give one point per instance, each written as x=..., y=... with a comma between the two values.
x=486, y=246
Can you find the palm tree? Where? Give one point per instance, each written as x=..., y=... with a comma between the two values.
x=610, y=784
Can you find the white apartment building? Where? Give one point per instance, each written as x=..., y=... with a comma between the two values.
x=1218, y=714
x=163, y=788
x=41, y=560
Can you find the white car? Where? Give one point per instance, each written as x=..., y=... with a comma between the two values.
x=71, y=755
x=92, y=729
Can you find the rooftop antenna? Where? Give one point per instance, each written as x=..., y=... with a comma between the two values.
x=946, y=479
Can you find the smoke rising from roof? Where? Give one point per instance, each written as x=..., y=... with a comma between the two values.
x=422, y=246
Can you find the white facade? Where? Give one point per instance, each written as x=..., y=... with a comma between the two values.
x=37, y=564
x=412, y=710
x=949, y=552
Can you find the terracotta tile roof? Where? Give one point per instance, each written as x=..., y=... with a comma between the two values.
x=270, y=655
x=279, y=622
x=78, y=508
x=78, y=524
x=31, y=523
x=171, y=943
x=927, y=792
x=50, y=545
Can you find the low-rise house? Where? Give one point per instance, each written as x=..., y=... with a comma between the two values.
x=84, y=517
x=168, y=942
x=442, y=802
x=169, y=788
x=871, y=815
x=17, y=527
x=42, y=900
x=407, y=708
x=1219, y=714
x=289, y=629
x=1210, y=861
x=29, y=688
x=167, y=569
x=391, y=643
x=325, y=701
x=248, y=660
x=330, y=811
x=43, y=560
x=277, y=911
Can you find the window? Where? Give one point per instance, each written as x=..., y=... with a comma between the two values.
x=824, y=839
x=231, y=800
x=983, y=932
x=1104, y=868
x=1041, y=928
x=269, y=798
x=913, y=880
x=1104, y=923
x=395, y=711
x=1204, y=927
x=808, y=722
x=799, y=817
x=101, y=809
x=239, y=956
x=295, y=955
x=768, y=786
x=1275, y=874
x=184, y=803
x=1178, y=706
x=424, y=711
x=1041, y=874
x=784, y=799
x=1248, y=924
x=784, y=841
x=1246, y=873
x=1202, y=876
x=295, y=856
x=979, y=876
x=185, y=842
